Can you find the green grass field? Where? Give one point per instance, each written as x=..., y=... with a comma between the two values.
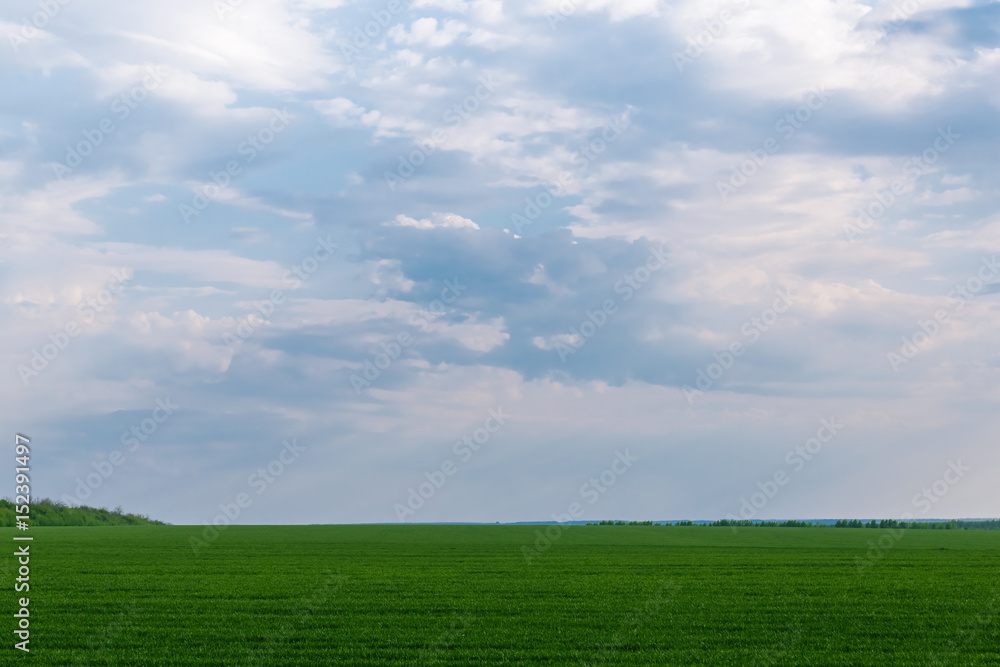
x=467, y=595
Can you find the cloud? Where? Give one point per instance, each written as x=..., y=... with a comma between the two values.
x=587, y=230
x=437, y=220
x=345, y=112
x=248, y=234
x=428, y=32
x=947, y=197
x=455, y=6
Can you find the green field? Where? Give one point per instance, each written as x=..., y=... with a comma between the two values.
x=467, y=595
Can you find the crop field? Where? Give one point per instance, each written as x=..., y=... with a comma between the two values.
x=486, y=595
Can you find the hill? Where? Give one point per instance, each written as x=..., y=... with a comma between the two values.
x=46, y=512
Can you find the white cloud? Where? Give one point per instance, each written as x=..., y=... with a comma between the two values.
x=773, y=50
x=456, y=6
x=562, y=10
x=53, y=208
x=437, y=220
x=947, y=197
x=344, y=112
x=427, y=32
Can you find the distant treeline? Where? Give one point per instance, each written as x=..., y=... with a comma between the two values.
x=46, y=512
x=990, y=524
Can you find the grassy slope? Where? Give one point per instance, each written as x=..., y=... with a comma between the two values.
x=314, y=595
x=46, y=512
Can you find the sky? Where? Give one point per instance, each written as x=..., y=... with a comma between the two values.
x=319, y=261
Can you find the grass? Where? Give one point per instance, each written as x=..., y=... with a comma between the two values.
x=467, y=595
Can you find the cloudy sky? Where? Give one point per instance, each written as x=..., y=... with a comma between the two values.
x=436, y=260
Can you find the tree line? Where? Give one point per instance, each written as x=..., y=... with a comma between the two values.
x=988, y=524
x=47, y=512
